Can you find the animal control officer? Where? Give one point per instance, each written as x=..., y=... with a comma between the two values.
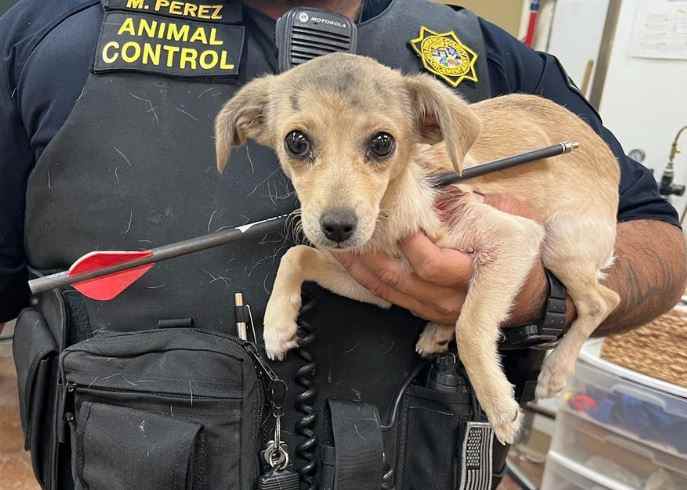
x=106, y=113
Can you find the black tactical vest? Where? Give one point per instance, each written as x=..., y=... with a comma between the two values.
x=133, y=167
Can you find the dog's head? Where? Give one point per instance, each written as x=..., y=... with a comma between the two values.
x=344, y=127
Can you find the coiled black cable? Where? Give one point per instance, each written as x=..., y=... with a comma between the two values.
x=305, y=401
x=388, y=475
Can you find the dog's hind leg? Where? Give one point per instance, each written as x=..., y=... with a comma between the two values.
x=593, y=302
x=434, y=339
x=298, y=265
x=506, y=248
x=577, y=264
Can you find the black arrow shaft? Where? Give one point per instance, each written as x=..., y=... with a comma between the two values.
x=448, y=178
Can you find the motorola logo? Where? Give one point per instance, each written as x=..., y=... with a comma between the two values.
x=329, y=22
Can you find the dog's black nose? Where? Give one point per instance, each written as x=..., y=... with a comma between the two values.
x=338, y=224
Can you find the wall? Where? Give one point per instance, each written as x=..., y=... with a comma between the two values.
x=6, y=4
x=571, y=44
x=504, y=13
x=644, y=101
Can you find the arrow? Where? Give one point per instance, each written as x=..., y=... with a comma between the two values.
x=104, y=275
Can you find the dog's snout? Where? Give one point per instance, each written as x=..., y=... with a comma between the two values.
x=338, y=224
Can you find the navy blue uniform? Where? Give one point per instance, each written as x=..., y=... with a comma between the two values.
x=40, y=83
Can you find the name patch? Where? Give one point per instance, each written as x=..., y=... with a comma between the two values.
x=209, y=12
x=169, y=46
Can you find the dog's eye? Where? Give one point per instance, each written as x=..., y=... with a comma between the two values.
x=381, y=145
x=297, y=144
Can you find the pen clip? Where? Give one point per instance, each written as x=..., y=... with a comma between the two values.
x=244, y=316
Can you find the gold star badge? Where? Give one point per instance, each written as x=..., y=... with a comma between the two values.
x=446, y=56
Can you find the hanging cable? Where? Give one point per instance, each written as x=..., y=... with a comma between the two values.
x=305, y=401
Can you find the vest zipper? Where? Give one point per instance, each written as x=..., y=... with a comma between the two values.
x=67, y=392
x=75, y=387
x=274, y=390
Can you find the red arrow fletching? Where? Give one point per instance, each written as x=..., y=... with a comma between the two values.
x=108, y=287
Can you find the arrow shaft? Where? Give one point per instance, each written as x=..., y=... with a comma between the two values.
x=448, y=178
x=158, y=255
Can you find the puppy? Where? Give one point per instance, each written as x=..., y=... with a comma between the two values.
x=359, y=140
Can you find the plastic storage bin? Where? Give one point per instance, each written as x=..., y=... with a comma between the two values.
x=564, y=474
x=653, y=411
x=615, y=456
x=624, y=429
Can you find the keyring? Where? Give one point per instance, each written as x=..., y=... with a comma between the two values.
x=276, y=457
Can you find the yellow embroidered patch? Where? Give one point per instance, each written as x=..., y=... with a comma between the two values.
x=445, y=55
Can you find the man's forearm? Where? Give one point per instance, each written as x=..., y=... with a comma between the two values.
x=649, y=273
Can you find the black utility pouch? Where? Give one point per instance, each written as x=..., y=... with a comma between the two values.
x=443, y=439
x=431, y=429
x=162, y=409
x=35, y=357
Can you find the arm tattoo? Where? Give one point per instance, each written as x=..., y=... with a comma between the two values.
x=648, y=274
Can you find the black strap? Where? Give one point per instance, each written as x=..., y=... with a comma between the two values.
x=526, y=393
x=553, y=323
x=79, y=325
x=546, y=332
x=328, y=470
x=358, y=445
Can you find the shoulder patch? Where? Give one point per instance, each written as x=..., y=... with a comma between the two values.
x=446, y=56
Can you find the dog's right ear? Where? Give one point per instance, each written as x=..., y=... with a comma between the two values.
x=441, y=115
x=242, y=118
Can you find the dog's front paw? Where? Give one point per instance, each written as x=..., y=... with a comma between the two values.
x=507, y=423
x=434, y=339
x=279, y=340
x=280, y=328
x=554, y=375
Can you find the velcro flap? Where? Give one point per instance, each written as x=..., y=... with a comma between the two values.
x=358, y=445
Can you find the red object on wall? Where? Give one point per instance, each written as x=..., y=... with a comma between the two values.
x=532, y=26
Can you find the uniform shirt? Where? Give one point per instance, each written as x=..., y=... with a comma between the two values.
x=40, y=82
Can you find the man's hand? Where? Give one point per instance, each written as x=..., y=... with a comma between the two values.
x=436, y=286
x=2, y=327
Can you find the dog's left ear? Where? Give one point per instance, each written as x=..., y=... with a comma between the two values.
x=441, y=115
x=243, y=117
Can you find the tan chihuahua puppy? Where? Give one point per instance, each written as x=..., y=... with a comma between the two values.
x=358, y=141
